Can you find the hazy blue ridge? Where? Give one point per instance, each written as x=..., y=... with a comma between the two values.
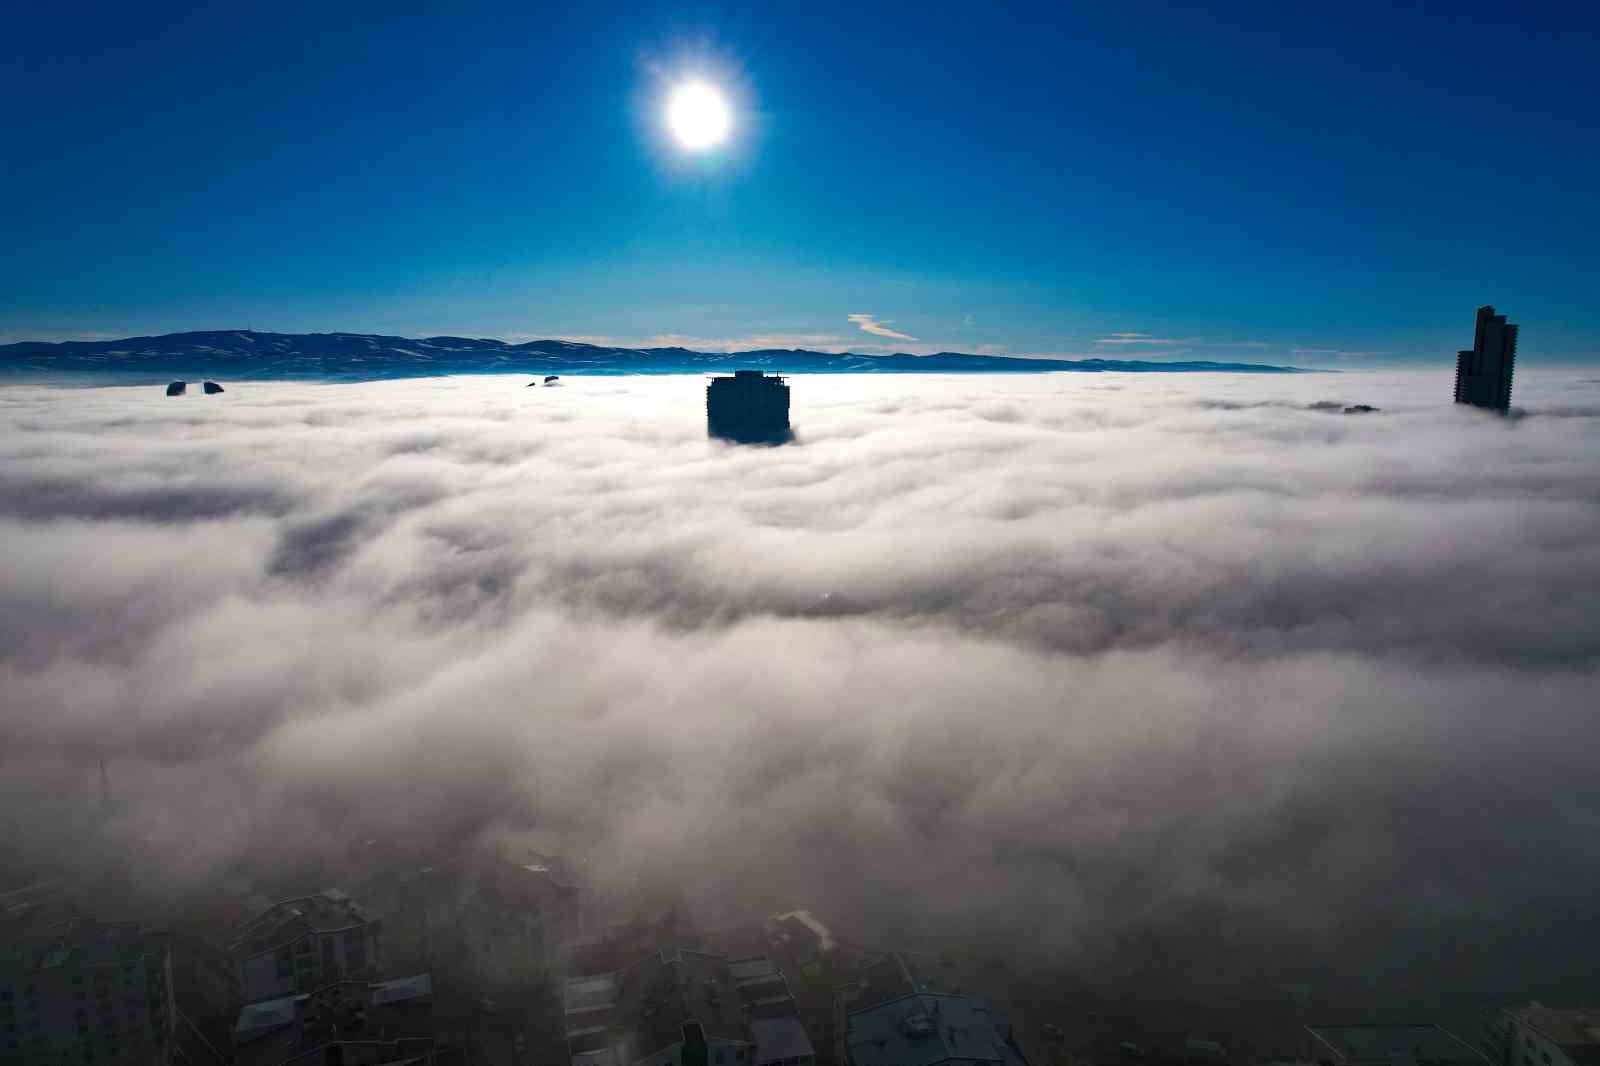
x=246, y=355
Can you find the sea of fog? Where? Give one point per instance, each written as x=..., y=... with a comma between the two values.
x=1045, y=663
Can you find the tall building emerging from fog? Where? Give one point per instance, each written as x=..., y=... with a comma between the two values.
x=1483, y=375
x=748, y=408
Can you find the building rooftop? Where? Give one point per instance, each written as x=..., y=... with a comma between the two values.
x=402, y=989
x=603, y=1057
x=288, y=921
x=590, y=993
x=762, y=988
x=1576, y=1030
x=258, y=1019
x=657, y=996
x=614, y=1019
x=924, y=1028
x=755, y=969
x=892, y=976
x=1400, y=1045
x=780, y=1038
x=80, y=942
x=386, y=1012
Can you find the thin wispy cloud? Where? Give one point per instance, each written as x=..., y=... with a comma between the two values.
x=819, y=342
x=1148, y=340
x=870, y=324
x=1138, y=338
x=1334, y=353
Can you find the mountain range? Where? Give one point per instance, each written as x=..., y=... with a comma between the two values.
x=247, y=355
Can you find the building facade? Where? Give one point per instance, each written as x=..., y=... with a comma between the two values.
x=88, y=994
x=302, y=944
x=1483, y=375
x=506, y=921
x=748, y=408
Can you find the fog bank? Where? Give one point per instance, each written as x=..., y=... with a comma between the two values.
x=1038, y=659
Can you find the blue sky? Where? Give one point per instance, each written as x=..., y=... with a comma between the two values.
x=1335, y=189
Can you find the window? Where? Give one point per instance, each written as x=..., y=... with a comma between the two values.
x=284, y=960
x=355, y=949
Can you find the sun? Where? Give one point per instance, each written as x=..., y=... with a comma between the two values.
x=698, y=116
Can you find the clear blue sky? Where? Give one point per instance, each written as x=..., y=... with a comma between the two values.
x=1029, y=179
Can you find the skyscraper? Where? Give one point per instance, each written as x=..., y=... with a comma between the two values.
x=748, y=408
x=1483, y=375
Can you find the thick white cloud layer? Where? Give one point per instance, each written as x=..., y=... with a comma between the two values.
x=1055, y=652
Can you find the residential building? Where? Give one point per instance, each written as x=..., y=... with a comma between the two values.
x=206, y=988
x=89, y=993
x=506, y=920
x=344, y=1023
x=302, y=944
x=1483, y=375
x=1421, y=1044
x=1537, y=1035
x=930, y=1028
x=748, y=408
x=686, y=1008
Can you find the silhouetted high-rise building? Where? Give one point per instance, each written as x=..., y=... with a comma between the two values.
x=749, y=408
x=1483, y=375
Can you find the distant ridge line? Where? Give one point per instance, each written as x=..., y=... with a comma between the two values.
x=250, y=355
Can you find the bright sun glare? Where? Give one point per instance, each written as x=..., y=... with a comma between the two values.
x=698, y=116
